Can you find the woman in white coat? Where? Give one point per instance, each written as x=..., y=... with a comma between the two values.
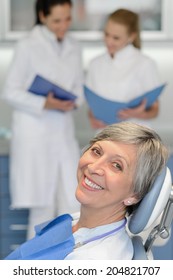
x=123, y=72
x=44, y=150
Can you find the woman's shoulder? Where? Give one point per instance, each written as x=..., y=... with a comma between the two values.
x=140, y=60
x=23, y=46
x=144, y=57
x=31, y=37
x=147, y=62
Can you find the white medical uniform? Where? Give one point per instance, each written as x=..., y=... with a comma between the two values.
x=44, y=150
x=126, y=76
x=117, y=246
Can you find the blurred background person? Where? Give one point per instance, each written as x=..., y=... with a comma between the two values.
x=44, y=148
x=123, y=72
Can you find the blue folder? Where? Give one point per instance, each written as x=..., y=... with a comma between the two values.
x=41, y=86
x=106, y=110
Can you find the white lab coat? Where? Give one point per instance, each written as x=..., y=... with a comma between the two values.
x=126, y=76
x=44, y=151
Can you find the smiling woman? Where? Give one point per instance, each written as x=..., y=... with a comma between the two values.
x=125, y=73
x=114, y=173
x=100, y=173
x=57, y=18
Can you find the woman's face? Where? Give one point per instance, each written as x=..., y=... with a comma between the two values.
x=116, y=37
x=59, y=20
x=105, y=175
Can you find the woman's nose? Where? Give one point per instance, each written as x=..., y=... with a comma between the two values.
x=96, y=167
x=64, y=26
x=109, y=41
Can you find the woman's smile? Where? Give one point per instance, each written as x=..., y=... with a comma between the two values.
x=90, y=185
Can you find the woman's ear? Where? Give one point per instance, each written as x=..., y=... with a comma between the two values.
x=132, y=37
x=131, y=200
x=41, y=17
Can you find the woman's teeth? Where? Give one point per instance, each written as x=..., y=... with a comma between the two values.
x=92, y=185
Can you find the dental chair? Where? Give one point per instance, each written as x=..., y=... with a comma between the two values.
x=154, y=214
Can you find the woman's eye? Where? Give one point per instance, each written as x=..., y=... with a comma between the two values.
x=95, y=151
x=116, y=38
x=117, y=166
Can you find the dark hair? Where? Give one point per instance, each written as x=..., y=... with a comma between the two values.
x=45, y=6
x=130, y=20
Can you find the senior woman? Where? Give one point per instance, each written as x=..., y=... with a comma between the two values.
x=114, y=173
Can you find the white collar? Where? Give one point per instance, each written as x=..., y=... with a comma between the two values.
x=86, y=233
x=124, y=53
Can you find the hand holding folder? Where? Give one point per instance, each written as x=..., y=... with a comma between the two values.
x=41, y=86
x=107, y=110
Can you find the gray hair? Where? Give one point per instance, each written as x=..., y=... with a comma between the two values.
x=151, y=152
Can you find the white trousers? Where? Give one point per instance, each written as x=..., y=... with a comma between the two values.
x=61, y=205
x=38, y=216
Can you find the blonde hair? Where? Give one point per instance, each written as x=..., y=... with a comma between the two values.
x=130, y=20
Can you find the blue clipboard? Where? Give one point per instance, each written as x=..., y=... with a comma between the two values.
x=41, y=86
x=106, y=110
